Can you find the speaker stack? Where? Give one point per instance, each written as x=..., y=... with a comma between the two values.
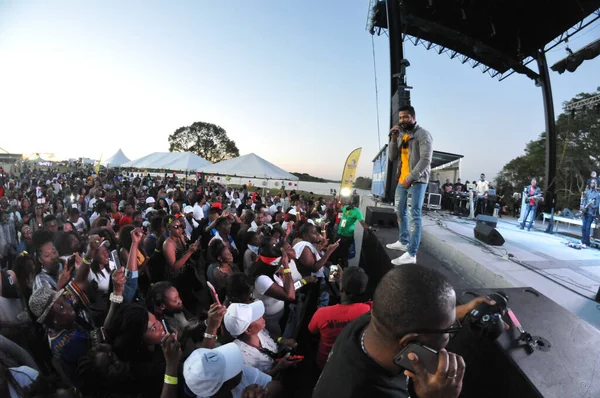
x=381, y=217
x=485, y=231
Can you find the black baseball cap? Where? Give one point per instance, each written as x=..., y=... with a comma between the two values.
x=354, y=281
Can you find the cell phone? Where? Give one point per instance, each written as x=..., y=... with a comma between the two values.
x=164, y=323
x=213, y=293
x=428, y=357
x=333, y=272
x=295, y=357
x=297, y=285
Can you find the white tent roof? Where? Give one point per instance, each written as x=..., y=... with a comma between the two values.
x=252, y=166
x=116, y=160
x=169, y=161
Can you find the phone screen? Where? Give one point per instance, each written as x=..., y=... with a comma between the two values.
x=164, y=323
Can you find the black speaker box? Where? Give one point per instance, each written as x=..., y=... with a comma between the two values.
x=487, y=220
x=381, y=217
x=487, y=234
x=565, y=365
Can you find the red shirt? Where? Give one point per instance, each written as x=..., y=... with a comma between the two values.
x=531, y=191
x=329, y=322
x=125, y=220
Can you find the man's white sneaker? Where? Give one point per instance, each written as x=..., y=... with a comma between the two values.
x=406, y=258
x=397, y=246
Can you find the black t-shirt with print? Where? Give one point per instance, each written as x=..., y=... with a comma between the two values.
x=350, y=373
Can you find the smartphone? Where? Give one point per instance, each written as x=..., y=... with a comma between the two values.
x=213, y=293
x=333, y=272
x=297, y=285
x=428, y=357
x=167, y=330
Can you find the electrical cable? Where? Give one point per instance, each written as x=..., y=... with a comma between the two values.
x=376, y=93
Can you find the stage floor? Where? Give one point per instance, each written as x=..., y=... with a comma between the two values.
x=568, y=276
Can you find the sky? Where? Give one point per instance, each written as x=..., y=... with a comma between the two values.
x=292, y=82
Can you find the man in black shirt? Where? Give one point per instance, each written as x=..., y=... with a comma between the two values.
x=408, y=301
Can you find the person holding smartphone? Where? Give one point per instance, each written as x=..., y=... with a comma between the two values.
x=414, y=310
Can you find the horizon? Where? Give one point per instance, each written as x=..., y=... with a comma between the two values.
x=286, y=82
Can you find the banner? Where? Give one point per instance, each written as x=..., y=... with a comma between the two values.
x=98, y=165
x=349, y=173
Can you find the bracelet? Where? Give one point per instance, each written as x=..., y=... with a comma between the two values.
x=303, y=281
x=86, y=261
x=206, y=322
x=287, y=271
x=115, y=299
x=210, y=336
x=172, y=380
x=279, y=340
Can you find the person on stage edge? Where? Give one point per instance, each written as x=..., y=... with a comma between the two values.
x=589, y=209
x=350, y=215
x=415, y=150
x=532, y=194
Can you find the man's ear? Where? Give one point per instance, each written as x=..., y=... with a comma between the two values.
x=407, y=339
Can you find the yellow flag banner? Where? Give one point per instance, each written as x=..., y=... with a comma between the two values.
x=349, y=173
x=98, y=165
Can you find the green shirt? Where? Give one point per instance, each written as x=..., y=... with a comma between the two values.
x=348, y=221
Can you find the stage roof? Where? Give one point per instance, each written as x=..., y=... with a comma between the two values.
x=498, y=34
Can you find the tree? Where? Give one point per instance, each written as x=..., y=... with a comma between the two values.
x=206, y=140
x=363, y=183
x=578, y=147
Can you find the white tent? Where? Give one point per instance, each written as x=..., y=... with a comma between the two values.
x=252, y=166
x=178, y=161
x=116, y=160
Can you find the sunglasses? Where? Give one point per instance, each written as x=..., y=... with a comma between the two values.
x=452, y=330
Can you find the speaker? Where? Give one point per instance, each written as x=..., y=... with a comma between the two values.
x=434, y=201
x=381, y=217
x=488, y=220
x=487, y=234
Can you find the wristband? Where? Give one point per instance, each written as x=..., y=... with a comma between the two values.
x=279, y=340
x=115, y=299
x=287, y=271
x=210, y=336
x=303, y=281
x=170, y=380
x=86, y=261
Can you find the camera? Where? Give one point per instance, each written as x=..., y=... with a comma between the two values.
x=486, y=319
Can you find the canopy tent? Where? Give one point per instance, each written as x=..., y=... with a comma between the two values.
x=250, y=165
x=183, y=161
x=116, y=160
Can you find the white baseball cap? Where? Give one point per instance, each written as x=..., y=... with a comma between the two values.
x=239, y=316
x=292, y=212
x=206, y=370
x=188, y=209
x=150, y=199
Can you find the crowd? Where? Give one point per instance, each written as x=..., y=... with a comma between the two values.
x=115, y=285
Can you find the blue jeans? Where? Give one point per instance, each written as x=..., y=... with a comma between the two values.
x=410, y=220
x=585, y=228
x=529, y=208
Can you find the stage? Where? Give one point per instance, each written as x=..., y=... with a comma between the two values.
x=543, y=261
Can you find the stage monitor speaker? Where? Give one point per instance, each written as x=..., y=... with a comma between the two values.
x=563, y=362
x=487, y=234
x=434, y=201
x=381, y=217
x=488, y=220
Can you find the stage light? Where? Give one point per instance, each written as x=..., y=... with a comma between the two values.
x=345, y=192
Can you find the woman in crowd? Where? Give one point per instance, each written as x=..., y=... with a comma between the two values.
x=246, y=324
x=37, y=221
x=221, y=267
x=309, y=258
x=82, y=201
x=46, y=255
x=251, y=255
x=99, y=277
x=272, y=286
x=157, y=231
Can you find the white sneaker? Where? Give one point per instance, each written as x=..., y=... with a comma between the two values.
x=397, y=246
x=406, y=258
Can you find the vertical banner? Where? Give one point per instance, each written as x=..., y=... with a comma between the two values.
x=98, y=165
x=349, y=173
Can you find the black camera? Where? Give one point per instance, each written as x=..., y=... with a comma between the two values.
x=486, y=319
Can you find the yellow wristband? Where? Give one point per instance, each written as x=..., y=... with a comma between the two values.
x=303, y=281
x=170, y=380
x=86, y=261
x=279, y=340
x=287, y=271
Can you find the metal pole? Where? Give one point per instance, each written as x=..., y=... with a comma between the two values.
x=544, y=82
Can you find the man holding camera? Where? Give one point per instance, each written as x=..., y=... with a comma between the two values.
x=413, y=307
x=415, y=150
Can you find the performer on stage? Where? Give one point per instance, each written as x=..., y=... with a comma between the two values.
x=415, y=150
x=589, y=210
x=532, y=194
x=482, y=188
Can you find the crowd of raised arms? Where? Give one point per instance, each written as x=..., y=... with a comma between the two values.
x=115, y=285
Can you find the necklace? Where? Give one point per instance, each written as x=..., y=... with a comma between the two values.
x=362, y=343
